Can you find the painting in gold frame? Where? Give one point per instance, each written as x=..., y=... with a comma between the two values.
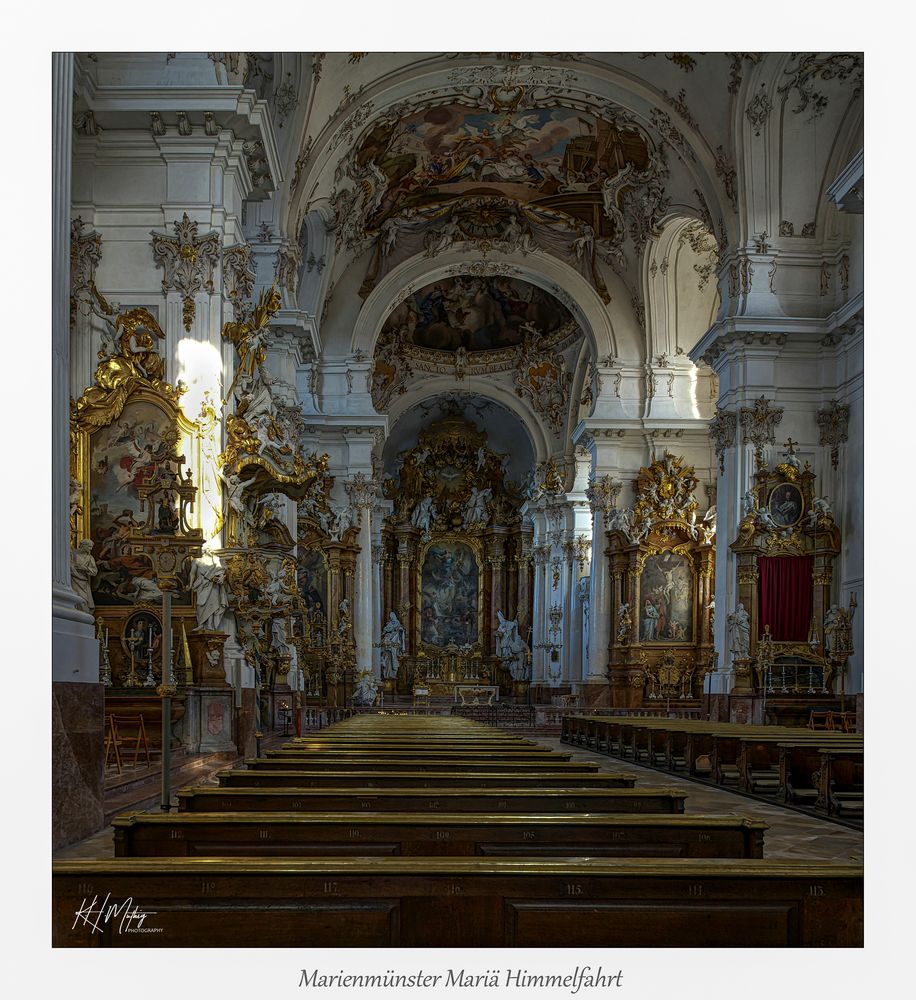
x=666, y=602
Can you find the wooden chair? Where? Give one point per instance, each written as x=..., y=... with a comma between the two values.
x=820, y=720
x=112, y=743
x=136, y=740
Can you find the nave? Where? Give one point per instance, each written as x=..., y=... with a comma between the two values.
x=365, y=833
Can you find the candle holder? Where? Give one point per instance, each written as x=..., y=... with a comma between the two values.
x=150, y=679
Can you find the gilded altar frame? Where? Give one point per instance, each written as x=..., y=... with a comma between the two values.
x=123, y=379
x=663, y=519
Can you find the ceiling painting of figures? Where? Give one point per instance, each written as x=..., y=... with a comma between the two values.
x=478, y=314
x=556, y=157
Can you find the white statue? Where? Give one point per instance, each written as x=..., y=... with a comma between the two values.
x=281, y=643
x=208, y=581
x=820, y=511
x=512, y=649
x=274, y=589
x=624, y=622
x=140, y=588
x=82, y=570
x=76, y=495
x=481, y=458
x=749, y=504
x=394, y=645
x=235, y=490
x=789, y=454
x=740, y=624
x=366, y=688
x=476, y=510
x=765, y=519
x=423, y=515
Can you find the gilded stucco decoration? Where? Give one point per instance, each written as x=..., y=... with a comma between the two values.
x=541, y=378
x=665, y=490
x=188, y=261
x=452, y=481
x=759, y=422
x=263, y=451
x=239, y=275
x=722, y=430
x=833, y=423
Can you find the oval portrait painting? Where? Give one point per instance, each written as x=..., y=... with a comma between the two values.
x=786, y=504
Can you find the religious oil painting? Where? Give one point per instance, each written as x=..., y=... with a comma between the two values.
x=122, y=457
x=449, y=599
x=143, y=637
x=666, y=599
x=477, y=314
x=312, y=575
x=786, y=504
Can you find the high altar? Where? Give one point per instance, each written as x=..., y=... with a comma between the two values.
x=455, y=552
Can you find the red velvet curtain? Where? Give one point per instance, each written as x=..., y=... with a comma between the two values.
x=785, y=596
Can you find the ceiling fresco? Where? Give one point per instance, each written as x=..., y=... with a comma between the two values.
x=551, y=156
x=477, y=314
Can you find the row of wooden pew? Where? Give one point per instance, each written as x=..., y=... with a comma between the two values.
x=823, y=770
x=438, y=831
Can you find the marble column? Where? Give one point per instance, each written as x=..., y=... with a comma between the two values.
x=78, y=700
x=364, y=589
x=600, y=606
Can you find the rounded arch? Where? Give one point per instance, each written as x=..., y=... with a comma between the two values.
x=680, y=285
x=445, y=385
x=547, y=272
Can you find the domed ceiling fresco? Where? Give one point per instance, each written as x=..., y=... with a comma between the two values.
x=478, y=314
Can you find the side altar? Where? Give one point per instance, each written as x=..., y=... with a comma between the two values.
x=662, y=567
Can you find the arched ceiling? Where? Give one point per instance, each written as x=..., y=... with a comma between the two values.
x=506, y=433
x=412, y=172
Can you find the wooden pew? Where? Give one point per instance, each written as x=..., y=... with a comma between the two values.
x=759, y=768
x=309, y=763
x=443, y=798
x=457, y=903
x=331, y=778
x=841, y=782
x=383, y=754
x=275, y=834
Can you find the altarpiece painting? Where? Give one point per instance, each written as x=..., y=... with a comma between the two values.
x=450, y=583
x=666, y=598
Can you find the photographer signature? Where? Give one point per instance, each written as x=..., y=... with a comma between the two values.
x=92, y=913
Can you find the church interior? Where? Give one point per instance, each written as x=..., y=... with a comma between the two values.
x=457, y=499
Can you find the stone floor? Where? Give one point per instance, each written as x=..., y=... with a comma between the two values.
x=791, y=834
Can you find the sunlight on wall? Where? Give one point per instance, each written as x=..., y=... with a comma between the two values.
x=200, y=368
x=694, y=381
